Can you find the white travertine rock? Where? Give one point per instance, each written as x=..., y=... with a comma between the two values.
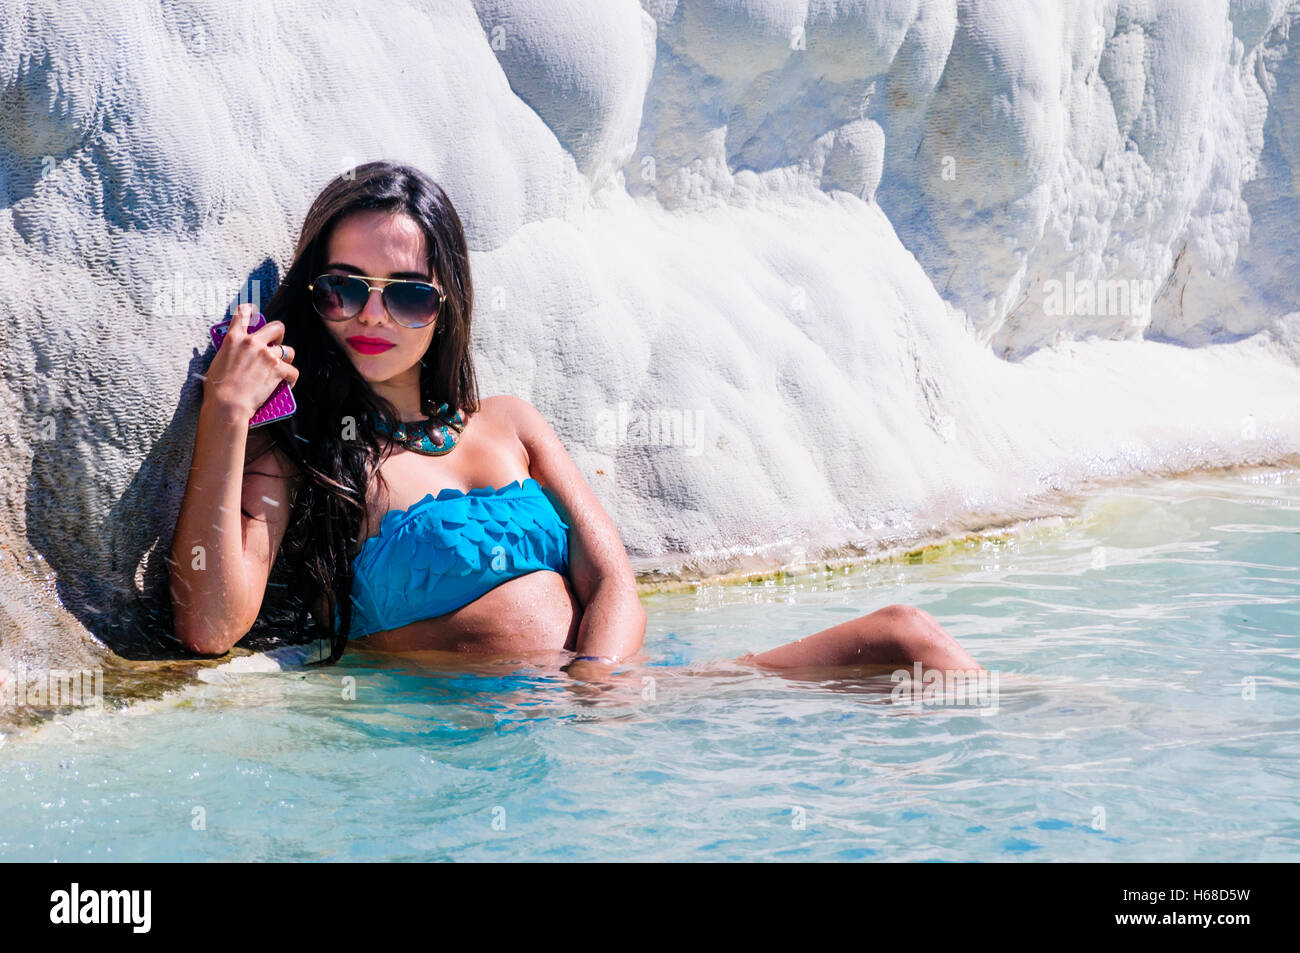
x=888, y=268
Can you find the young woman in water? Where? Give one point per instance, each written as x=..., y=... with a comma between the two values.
x=417, y=517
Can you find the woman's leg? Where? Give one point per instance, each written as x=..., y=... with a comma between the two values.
x=895, y=635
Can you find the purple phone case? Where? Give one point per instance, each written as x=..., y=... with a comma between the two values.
x=281, y=403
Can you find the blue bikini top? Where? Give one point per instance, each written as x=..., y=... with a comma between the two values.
x=445, y=551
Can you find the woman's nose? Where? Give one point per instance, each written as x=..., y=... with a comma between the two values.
x=373, y=312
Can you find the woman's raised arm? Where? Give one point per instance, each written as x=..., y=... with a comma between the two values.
x=221, y=558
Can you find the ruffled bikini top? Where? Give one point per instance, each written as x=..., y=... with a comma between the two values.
x=445, y=551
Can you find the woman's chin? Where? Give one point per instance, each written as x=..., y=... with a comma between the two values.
x=377, y=372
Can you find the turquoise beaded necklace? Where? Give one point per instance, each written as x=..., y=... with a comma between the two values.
x=425, y=436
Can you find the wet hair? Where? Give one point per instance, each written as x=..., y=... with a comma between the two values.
x=331, y=440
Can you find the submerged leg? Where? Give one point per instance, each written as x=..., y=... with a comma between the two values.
x=895, y=635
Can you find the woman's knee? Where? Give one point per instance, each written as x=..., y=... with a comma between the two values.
x=905, y=616
x=914, y=627
x=921, y=638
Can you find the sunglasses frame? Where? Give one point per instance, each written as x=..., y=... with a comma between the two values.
x=371, y=289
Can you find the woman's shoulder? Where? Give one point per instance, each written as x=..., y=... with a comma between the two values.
x=512, y=410
x=518, y=422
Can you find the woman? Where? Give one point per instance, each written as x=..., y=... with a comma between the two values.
x=415, y=516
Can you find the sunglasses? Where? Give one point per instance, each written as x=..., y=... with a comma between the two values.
x=412, y=304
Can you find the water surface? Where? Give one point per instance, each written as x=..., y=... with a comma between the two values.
x=1148, y=708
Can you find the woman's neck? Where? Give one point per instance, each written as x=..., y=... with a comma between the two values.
x=403, y=392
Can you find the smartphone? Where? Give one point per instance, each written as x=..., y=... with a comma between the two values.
x=281, y=403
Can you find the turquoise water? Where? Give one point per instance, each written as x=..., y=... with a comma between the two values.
x=1125, y=727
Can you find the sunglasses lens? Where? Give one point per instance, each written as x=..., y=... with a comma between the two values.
x=412, y=304
x=339, y=297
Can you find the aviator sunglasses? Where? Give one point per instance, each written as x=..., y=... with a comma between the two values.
x=412, y=304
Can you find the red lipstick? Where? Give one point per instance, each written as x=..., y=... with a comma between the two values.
x=365, y=345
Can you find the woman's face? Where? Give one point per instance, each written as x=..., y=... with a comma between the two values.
x=380, y=245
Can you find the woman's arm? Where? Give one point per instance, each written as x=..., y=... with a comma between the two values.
x=613, y=620
x=220, y=559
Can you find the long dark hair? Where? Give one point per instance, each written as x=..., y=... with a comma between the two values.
x=334, y=401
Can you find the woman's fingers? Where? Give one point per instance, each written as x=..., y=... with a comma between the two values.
x=270, y=333
x=248, y=366
x=239, y=322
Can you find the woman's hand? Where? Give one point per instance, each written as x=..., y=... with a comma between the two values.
x=606, y=682
x=248, y=367
x=592, y=670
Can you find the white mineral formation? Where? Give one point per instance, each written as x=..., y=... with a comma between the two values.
x=784, y=274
